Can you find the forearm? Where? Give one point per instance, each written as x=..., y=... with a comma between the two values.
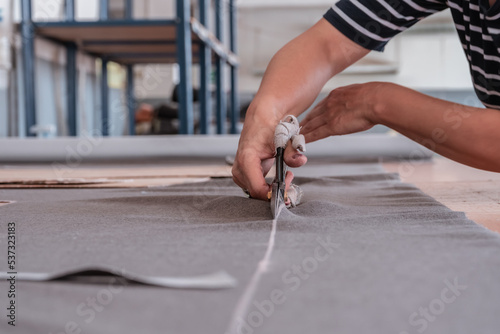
x=465, y=134
x=297, y=73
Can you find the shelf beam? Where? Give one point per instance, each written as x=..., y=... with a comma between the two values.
x=235, y=104
x=105, y=122
x=71, y=74
x=219, y=68
x=130, y=100
x=70, y=10
x=103, y=10
x=28, y=49
x=184, y=58
x=129, y=9
x=205, y=74
x=130, y=96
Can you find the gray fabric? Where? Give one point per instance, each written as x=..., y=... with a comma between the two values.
x=386, y=250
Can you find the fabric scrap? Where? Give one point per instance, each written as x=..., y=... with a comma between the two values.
x=217, y=280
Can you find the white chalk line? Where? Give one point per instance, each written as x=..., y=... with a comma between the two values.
x=246, y=298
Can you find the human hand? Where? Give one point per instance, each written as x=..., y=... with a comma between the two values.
x=345, y=110
x=255, y=155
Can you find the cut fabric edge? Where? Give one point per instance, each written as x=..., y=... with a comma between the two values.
x=217, y=280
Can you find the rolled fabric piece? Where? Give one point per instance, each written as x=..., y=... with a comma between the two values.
x=216, y=280
x=294, y=195
x=287, y=127
x=299, y=142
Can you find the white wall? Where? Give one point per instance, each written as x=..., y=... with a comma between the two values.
x=421, y=59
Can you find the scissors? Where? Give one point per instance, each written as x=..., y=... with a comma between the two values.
x=278, y=187
x=287, y=129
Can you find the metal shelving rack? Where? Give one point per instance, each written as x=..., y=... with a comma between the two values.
x=128, y=41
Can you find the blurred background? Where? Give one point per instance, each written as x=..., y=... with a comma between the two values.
x=428, y=57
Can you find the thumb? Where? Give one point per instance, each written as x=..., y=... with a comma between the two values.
x=294, y=158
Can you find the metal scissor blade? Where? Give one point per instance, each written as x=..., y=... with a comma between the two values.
x=277, y=199
x=278, y=186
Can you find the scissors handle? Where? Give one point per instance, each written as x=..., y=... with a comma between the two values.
x=280, y=165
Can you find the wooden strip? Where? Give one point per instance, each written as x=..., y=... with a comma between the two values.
x=60, y=171
x=109, y=33
x=127, y=48
x=123, y=183
x=148, y=60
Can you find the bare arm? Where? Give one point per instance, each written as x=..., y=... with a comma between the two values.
x=290, y=85
x=465, y=134
x=296, y=74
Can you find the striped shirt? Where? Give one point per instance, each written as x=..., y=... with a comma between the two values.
x=372, y=23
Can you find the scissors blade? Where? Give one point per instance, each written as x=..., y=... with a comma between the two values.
x=277, y=198
x=279, y=185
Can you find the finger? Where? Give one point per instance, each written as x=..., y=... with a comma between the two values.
x=313, y=122
x=312, y=126
x=235, y=173
x=294, y=158
x=319, y=133
x=288, y=179
x=317, y=110
x=266, y=166
x=251, y=175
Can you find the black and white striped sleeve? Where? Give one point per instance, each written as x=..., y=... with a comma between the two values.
x=372, y=23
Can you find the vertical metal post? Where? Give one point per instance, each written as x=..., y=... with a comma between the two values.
x=184, y=58
x=70, y=10
x=220, y=91
x=105, y=124
x=28, y=49
x=205, y=70
x=71, y=87
x=235, y=103
x=71, y=74
x=129, y=10
x=103, y=9
x=130, y=100
x=13, y=110
x=12, y=69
